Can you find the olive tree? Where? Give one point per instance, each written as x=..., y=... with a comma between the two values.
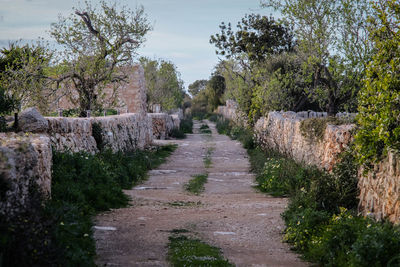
x=98, y=43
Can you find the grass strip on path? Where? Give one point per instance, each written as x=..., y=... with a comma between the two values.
x=196, y=185
x=187, y=251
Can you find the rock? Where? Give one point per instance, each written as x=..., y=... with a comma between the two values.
x=25, y=162
x=30, y=120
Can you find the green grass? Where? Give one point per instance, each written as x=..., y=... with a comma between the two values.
x=184, y=203
x=60, y=232
x=196, y=185
x=207, y=159
x=186, y=125
x=186, y=251
x=205, y=129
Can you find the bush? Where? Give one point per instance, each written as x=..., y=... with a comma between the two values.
x=333, y=245
x=223, y=126
x=379, y=109
x=378, y=245
x=186, y=125
x=177, y=133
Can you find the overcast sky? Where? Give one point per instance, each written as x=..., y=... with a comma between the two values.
x=181, y=34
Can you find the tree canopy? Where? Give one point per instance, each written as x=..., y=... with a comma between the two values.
x=256, y=36
x=98, y=42
x=164, y=85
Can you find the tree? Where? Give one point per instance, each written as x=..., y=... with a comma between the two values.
x=256, y=36
x=197, y=86
x=256, y=40
x=328, y=32
x=164, y=85
x=379, y=108
x=215, y=90
x=98, y=46
x=23, y=70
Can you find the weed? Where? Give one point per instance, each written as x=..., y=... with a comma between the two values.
x=185, y=251
x=184, y=203
x=204, y=126
x=179, y=231
x=207, y=159
x=196, y=185
x=97, y=135
x=205, y=129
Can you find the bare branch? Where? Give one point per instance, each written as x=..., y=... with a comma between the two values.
x=85, y=17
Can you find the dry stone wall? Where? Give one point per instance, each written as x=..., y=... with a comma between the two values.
x=380, y=189
x=26, y=161
x=231, y=112
x=162, y=124
x=119, y=133
x=281, y=131
x=130, y=97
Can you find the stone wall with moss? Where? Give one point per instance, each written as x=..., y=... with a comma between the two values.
x=311, y=138
x=283, y=132
x=380, y=189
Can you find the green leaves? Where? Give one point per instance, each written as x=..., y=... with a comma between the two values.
x=379, y=107
x=256, y=36
x=164, y=85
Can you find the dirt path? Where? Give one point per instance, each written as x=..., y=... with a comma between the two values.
x=230, y=214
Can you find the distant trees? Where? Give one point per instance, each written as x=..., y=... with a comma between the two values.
x=197, y=86
x=333, y=44
x=210, y=97
x=98, y=42
x=312, y=58
x=164, y=85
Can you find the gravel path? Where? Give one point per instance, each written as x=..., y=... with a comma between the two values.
x=230, y=214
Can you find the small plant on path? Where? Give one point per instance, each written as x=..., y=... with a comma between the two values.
x=204, y=129
x=196, y=185
x=187, y=251
x=207, y=159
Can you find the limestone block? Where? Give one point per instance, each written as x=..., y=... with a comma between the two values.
x=30, y=120
x=380, y=189
x=25, y=161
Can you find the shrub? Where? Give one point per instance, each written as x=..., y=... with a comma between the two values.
x=378, y=245
x=333, y=245
x=186, y=125
x=379, y=109
x=177, y=133
x=223, y=126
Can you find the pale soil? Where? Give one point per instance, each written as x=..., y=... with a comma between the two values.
x=230, y=214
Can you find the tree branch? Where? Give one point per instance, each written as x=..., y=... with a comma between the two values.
x=85, y=17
